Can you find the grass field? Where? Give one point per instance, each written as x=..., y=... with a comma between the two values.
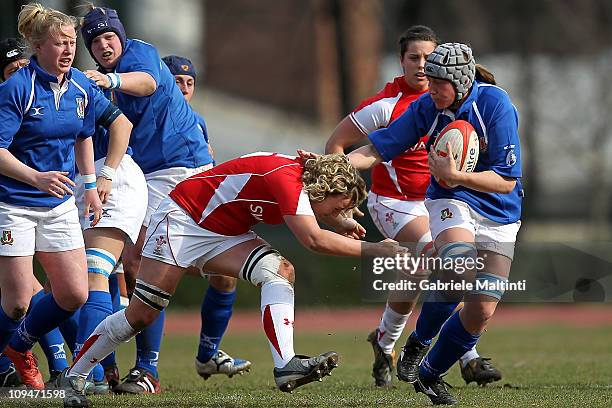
x=542, y=367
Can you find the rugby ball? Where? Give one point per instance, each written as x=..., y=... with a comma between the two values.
x=464, y=143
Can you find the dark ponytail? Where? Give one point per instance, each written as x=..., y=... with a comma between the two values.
x=484, y=75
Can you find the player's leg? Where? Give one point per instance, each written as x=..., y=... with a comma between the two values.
x=144, y=376
x=103, y=247
x=406, y=222
x=52, y=343
x=16, y=283
x=463, y=329
x=256, y=262
x=454, y=238
x=60, y=250
x=118, y=291
x=216, y=312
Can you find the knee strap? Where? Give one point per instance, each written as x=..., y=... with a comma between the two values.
x=100, y=261
x=489, y=285
x=262, y=266
x=151, y=295
x=454, y=250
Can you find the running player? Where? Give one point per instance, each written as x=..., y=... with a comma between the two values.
x=216, y=309
x=396, y=200
x=478, y=218
x=206, y=222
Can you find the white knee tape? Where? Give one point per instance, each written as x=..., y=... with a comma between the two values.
x=100, y=261
x=262, y=266
x=454, y=250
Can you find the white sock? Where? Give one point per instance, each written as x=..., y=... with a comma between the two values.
x=390, y=329
x=109, y=334
x=277, y=316
x=468, y=356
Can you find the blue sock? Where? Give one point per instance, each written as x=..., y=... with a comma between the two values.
x=43, y=317
x=216, y=313
x=7, y=328
x=97, y=308
x=432, y=317
x=453, y=342
x=5, y=363
x=113, y=288
x=52, y=343
x=69, y=328
x=148, y=343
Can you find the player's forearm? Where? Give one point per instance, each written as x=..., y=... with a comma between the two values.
x=329, y=243
x=365, y=157
x=84, y=156
x=119, y=132
x=137, y=83
x=13, y=168
x=485, y=181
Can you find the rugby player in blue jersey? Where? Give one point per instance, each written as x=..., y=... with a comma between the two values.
x=480, y=217
x=47, y=110
x=166, y=142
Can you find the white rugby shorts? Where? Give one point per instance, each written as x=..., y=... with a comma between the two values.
x=390, y=215
x=25, y=230
x=173, y=237
x=126, y=207
x=488, y=235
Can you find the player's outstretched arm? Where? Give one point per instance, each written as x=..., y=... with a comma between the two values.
x=310, y=235
x=365, y=157
x=131, y=83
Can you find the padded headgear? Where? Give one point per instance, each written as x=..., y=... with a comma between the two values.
x=453, y=62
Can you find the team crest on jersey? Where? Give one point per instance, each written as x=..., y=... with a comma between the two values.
x=80, y=110
x=159, y=244
x=445, y=214
x=7, y=237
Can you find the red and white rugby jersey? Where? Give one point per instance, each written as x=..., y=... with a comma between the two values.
x=407, y=176
x=232, y=197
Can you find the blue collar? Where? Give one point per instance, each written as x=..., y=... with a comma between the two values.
x=44, y=75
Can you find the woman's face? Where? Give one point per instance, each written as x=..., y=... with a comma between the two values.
x=56, y=54
x=106, y=49
x=186, y=84
x=332, y=205
x=413, y=64
x=442, y=92
x=12, y=67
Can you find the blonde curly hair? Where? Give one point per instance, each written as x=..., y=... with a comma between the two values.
x=333, y=174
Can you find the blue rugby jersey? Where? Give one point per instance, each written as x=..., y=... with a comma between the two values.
x=40, y=124
x=106, y=113
x=166, y=132
x=489, y=109
x=202, y=126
